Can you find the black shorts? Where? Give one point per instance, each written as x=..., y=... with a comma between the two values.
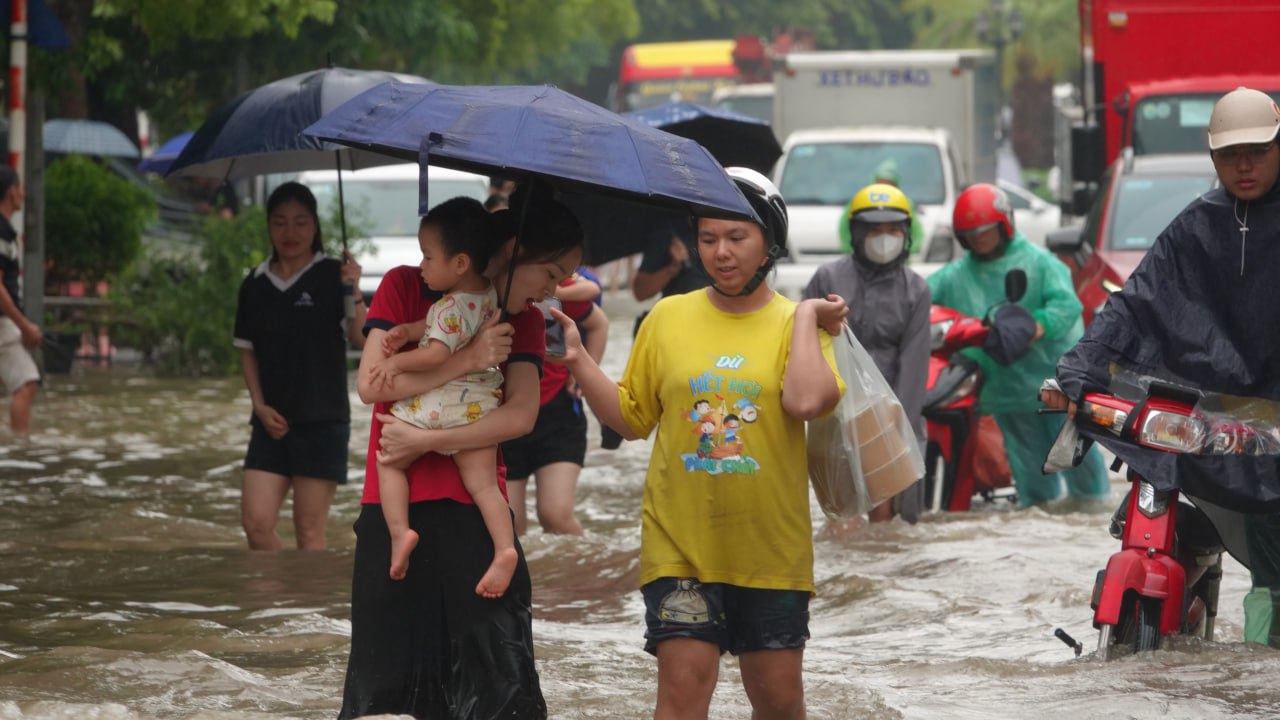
x=559, y=435
x=314, y=450
x=737, y=619
x=428, y=646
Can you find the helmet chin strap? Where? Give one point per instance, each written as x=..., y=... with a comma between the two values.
x=775, y=252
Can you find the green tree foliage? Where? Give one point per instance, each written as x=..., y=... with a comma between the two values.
x=181, y=310
x=1050, y=31
x=179, y=59
x=169, y=24
x=94, y=220
x=836, y=24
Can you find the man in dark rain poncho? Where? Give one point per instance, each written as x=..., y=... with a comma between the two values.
x=1203, y=310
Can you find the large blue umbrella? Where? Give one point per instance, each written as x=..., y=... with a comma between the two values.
x=160, y=160
x=258, y=132
x=536, y=131
x=733, y=138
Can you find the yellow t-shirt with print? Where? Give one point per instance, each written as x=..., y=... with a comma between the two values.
x=726, y=497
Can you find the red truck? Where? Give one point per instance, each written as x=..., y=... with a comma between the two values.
x=1153, y=69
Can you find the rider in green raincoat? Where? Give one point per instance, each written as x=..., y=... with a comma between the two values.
x=983, y=222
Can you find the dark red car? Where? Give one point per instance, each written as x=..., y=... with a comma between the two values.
x=1137, y=198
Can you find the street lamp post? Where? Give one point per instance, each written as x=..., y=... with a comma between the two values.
x=998, y=27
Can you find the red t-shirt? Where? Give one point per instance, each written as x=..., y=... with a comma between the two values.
x=402, y=297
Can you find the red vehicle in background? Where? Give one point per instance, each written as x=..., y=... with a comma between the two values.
x=1152, y=71
x=1138, y=196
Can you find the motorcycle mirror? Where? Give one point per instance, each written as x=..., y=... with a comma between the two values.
x=1015, y=284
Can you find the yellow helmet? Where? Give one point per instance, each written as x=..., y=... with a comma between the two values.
x=877, y=203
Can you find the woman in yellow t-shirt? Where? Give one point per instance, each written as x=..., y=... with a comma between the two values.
x=728, y=375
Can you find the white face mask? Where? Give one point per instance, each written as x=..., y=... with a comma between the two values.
x=883, y=248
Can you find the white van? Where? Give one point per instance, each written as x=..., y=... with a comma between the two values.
x=382, y=202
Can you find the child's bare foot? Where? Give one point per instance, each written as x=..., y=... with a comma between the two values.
x=401, y=547
x=498, y=576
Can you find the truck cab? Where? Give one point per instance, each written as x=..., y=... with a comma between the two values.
x=821, y=170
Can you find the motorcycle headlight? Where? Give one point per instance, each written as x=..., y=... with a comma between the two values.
x=938, y=334
x=1172, y=431
x=964, y=389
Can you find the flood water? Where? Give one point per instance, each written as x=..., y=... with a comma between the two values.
x=126, y=591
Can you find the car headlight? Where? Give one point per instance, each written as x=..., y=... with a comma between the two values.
x=938, y=334
x=1172, y=431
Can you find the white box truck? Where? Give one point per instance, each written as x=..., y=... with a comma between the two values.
x=843, y=114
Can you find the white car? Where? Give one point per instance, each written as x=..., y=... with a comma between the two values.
x=1031, y=215
x=382, y=203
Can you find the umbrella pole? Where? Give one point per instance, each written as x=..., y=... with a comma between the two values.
x=515, y=252
x=348, y=289
x=342, y=203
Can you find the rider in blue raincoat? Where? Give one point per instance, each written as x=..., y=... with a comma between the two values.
x=983, y=222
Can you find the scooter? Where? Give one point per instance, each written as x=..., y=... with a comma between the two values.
x=950, y=408
x=1164, y=580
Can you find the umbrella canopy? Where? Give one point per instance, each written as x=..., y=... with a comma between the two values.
x=258, y=132
x=733, y=138
x=87, y=137
x=536, y=131
x=160, y=160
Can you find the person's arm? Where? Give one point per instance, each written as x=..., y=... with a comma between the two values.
x=514, y=418
x=646, y=284
x=598, y=388
x=913, y=360
x=350, y=275
x=32, y=336
x=1061, y=307
x=580, y=290
x=596, y=323
x=489, y=348
x=420, y=359
x=273, y=422
x=354, y=324
x=809, y=386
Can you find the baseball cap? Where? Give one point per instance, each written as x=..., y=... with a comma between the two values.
x=1243, y=116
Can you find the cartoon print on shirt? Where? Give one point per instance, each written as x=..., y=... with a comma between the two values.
x=707, y=426
x=701, y=407
x=721, y=446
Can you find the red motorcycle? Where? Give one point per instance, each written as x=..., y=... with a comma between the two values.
x=965, y=453
x=1164, y=579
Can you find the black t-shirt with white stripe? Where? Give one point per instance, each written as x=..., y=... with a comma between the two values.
x=296, y=329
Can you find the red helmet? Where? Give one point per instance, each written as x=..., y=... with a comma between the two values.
x=983, y=204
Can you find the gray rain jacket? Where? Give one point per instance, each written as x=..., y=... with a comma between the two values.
x=889, y=314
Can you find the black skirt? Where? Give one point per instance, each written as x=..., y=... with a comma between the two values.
x=428, y=646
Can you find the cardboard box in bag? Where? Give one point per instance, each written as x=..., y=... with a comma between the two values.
x=882, y=451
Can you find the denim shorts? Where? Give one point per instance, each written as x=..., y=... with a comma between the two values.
x=736, y=619
x=314, y=450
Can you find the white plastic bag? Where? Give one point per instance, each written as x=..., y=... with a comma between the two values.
x=864, y=452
